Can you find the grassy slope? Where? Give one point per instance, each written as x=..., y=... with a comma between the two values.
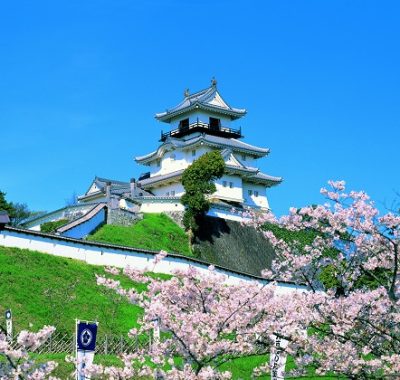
x=43, y=289
x=155, y=231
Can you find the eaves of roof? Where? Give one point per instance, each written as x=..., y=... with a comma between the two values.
x=113, y=181
x=264, y=179
x=212, y=141
x=233, y=113
x=161, y=178
x=241, y=169
x=93, y=195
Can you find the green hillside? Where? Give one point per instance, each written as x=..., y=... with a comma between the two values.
x=155, y=231
x=218, y=241
x=42, y=289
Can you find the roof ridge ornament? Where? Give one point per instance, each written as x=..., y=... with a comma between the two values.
x=208, y=99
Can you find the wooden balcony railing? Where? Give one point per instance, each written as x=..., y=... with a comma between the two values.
x=199, y=126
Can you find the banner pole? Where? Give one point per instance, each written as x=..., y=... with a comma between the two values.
x=76, y=349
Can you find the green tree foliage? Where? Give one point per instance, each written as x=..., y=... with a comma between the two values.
x=4, y=205
x=197, y=181
x=16, y=211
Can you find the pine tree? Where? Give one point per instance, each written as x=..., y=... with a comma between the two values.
x=197, y=181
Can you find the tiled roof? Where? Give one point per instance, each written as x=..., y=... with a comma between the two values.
x=36, y=218
x=265, y=179
x=245, y=169
x=101, y=182
x=159, y=178
x=207, y=99
x=117, y=188
x=95, y=210
x=213, y=141
x=4, y=218
x=251, y=175
x=94, y=194
x=125, y=190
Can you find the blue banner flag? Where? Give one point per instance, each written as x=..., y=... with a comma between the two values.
x=86, y=333
x=86, y=336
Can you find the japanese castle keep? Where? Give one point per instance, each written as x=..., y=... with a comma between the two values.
x=201, y=122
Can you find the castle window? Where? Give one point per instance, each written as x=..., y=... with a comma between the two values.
x=184, y=124
x=193, y=152
x=173, y=156
x=167, y=194
x=231, y=185
x=215, y=124
x=172, y=193
x=224, y=183
x=158, y=163
x=243, y=157
x=255, y=193
x=250, y=192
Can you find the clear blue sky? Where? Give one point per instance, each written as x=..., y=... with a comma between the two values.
x=80, y=82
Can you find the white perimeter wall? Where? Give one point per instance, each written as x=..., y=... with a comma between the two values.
x=158, y=207
x=96, y=254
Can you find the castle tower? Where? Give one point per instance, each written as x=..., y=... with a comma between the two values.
x=202, y=122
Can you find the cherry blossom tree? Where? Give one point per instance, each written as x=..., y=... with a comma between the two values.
x=206, y=322
x=15, y=362
x=355, y=325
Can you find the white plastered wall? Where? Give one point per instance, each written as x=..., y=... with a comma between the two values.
x=176, y=160
x=234, y=193
x=168, y=188
x=251, y=200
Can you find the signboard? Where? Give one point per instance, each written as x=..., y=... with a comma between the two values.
x=156, y=330
x=9, y=324
x=278, y=357
x=86, y=333
x=156, y=333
